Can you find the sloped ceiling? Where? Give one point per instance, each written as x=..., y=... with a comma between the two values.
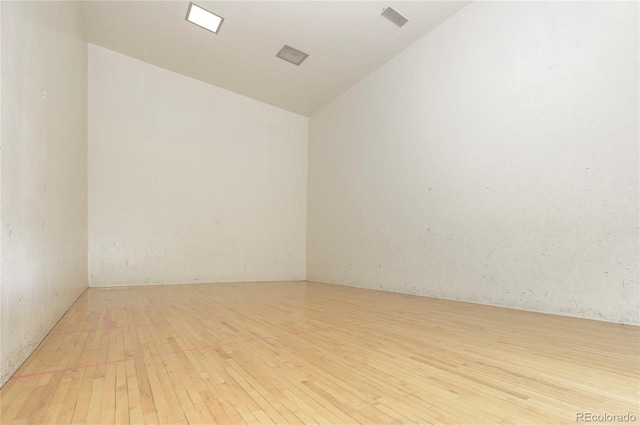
x=346, y=40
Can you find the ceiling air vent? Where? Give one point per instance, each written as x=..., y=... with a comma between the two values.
x=392, y=15
x=292, y=55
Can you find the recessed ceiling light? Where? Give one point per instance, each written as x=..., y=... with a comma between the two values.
x=203, y=18
x=292, y=55
x=392, y=15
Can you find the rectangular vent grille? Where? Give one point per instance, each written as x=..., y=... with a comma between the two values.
x=392, y=15
x=292, y=55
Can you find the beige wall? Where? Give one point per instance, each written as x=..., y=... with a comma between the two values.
x=44, y=175
x=190, y=183
x=494, y=161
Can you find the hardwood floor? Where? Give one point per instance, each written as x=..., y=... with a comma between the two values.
x=302, y=352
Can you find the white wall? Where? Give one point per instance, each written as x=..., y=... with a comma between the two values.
x=494, y=161
x=188, y=182
x=3, y=378
x=44, y=180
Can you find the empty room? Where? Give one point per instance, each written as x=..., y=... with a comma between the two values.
x=319, y=212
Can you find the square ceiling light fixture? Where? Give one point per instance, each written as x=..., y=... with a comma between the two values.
x=292, y=55
x=392, y=15
x=203, y=18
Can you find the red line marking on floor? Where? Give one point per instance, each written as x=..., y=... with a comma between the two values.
x=208, y=347
x=48, y=372
x=107, y=320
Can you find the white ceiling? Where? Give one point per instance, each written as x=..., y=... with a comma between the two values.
x=346, y=40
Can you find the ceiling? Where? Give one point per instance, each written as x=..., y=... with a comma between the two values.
x=345, y=40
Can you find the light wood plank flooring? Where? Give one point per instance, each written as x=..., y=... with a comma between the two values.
x=302, y=352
